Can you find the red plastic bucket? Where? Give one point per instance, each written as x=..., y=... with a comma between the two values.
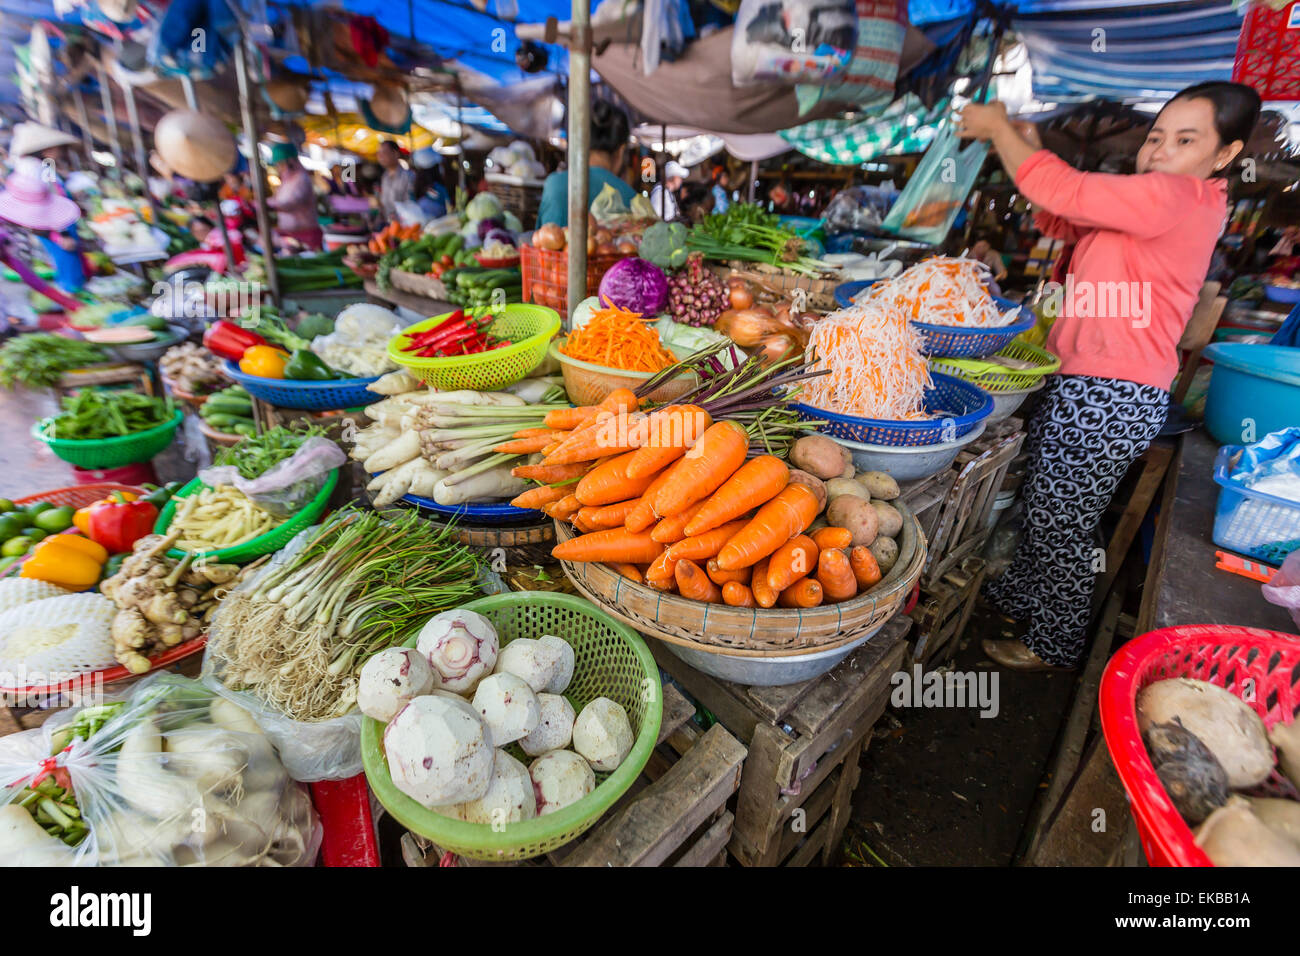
x=137, y=474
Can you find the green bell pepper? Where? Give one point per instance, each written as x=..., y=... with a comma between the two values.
x=305, y=365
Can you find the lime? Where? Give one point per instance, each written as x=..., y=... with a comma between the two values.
x=37, y=507
x=6, y=505
x=36, y=534
x=56, y=519
x=8, y=528
x=22, y=517
x=16, y=546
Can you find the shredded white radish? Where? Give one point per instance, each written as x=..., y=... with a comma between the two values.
x=942, y=291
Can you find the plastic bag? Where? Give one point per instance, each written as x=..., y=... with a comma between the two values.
x=792, y=41
x=858, y=208
x=1283, y=589
x=937, y=190
x=1271, y=466
x=287, y=487
x=169, y=775
x=608, y=206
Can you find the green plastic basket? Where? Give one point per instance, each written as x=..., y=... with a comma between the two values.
x=611, y=661
x=110, y=452
x=529, y=327
x=993, y=377
x=273, y=540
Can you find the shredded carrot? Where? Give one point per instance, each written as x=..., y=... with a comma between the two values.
x=617, y=338
x=943, y=291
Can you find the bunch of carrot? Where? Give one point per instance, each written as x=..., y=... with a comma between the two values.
x=617, y=338
x=392, y=236
x=669, y=500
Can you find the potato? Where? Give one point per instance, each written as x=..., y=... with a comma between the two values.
x=844, y=486
x=820, y=456
x=849, y=471
x=856, y=514
x=1227, y=725
x=816, y=484
x=891, y=522
x=1281, y=816
x=885, y=551
x=879, y=485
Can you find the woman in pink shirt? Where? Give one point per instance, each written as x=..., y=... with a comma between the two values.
x=1142, y=246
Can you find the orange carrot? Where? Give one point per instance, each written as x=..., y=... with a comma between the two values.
x=704, y=546
x=805, y=592
x=607, y=436
x=643, y=515
x=615, y=544
x=568, y=418
x=550, y=474
x=764, y=593
x=721, y=577
x=832, y=538
x=536, y=497
x=534, y=432
x=673, y=529
x=661, y=569
x=630, y=571
x=754, y=483
x=579, y=521
x=566, y=507
x=718, y=453
x=795, y=559
x=523, y=446
x=735, y=594
x=777, y=522
x=835, y=576
x=608, y=516
x=609, y=483
x=667, y=585
x=866, y=569
x=693, y=583
x=665, y=436
x=551, y=447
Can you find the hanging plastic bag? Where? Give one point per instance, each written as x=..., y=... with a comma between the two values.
x=286, y=488
x=1283, y=589
x=938, y=189
x=165, y=775
x=792, y=41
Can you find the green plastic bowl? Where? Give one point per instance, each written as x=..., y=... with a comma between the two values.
x=273, y=540
x=111, y=452
x=610, y=661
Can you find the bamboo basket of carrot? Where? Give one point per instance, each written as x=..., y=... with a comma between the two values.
x=744, y=631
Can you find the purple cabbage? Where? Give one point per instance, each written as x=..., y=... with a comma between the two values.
x=499, y=235
x=635, y=284
x=487, y=225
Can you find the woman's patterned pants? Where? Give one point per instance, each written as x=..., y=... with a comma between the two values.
x=1085, y=434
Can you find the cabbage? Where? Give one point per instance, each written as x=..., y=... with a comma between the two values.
x=636, y=285
x=512, y=221
x=499, y=235
x=487, y=225
x=483, y=206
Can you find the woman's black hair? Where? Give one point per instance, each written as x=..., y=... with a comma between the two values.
x=1236, y=108
x=609, y=126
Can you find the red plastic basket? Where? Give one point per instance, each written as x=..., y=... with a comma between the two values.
x=545, y=274
x=79, y=495
x=1222, y=654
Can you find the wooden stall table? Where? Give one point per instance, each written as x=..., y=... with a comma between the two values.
x=421, y=305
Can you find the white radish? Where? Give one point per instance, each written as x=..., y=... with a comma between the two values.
x=508, y=707
x=390, y=679
x=493, y=483
x=554, y=730
x=394, y=453
x=461, y=646
x=560, y=778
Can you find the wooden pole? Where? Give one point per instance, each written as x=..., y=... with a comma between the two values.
x=579, y=148
x=110, y=117
x=256, y=173
x=83, y=120
x=137, y=140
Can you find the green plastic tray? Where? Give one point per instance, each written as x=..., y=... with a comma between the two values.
x=611, y=661
x=273, y=540
x=111, y=452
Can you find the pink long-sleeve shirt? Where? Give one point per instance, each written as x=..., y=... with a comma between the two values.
x=1143, y=249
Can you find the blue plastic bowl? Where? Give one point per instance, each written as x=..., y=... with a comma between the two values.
x=311, y=396
x=1283, y=294
x=960, y=406
x=475, y=514
x=1254, y=390
x=949, y=341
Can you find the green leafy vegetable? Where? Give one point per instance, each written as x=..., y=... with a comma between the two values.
x=664, y=244
x=39, y=359
x=751, y=234
x=94, y=413
x=256, y=455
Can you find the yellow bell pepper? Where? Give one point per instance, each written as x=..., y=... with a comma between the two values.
x=81, y=517
x=264, y=361
x=68, y=560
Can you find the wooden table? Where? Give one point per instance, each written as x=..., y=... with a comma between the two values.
x=415, y=303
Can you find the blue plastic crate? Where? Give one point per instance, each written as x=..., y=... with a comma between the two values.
x=311, y=396
x=959, y=407
x=1250, y=522
x=949, y=341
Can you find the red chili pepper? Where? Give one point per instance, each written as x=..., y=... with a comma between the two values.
x=117, y=525
x=230, y=341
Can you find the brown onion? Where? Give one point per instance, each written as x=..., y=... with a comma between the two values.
x=773, y=348
x=627, y=247
x=603, y=236
x=606, y=249
x=549, y=236
x=747, y=327
x=741, y=297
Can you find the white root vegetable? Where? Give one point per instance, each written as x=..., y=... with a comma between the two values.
x=389, y=409
x=24, y=843
x=1227, y=725
x=143, y=782
x=603, y=734
x=215, y=758
x=1286, y=738
x=509, y=798
x=390, y=679
x=528, y=660
x=426, y=480
x=1234, y=836
x=508, y=707
x=461, y=646
x=533, y=390
x=495, y=483
x=1281, y=816
x=560, y=778
x=397, y=482
x=228, y=714
x=394, y=383
x=564, y=662
x=554, y=729
x=396, y=452
x=438, y=751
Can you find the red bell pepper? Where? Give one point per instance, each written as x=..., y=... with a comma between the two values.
x=229, y=340
x=118, y=524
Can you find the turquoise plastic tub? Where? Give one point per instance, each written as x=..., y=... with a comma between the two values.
x=1254, y=390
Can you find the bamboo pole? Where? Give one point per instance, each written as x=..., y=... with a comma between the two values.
x=255, y=171
x=83, y=120
x=110, y=117
x=579, y=149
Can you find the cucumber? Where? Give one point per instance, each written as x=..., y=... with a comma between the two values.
x=224, y=422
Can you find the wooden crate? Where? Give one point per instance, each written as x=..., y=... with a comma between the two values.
x=943, y=611
x=804, y=741
x=675, y=813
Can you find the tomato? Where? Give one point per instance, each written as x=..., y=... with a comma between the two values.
x=447, y=261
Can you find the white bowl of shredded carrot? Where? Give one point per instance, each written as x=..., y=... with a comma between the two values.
x=616, y=349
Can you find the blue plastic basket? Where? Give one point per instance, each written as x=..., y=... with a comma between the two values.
x=950, y=341
x=1250, y=522
x=1281, y=293
x=476, y=514
x=311, y=396
x=958, y=406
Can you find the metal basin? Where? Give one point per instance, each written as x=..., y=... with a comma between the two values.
x=1006, y=403
x=767, y=671
x=908, y=463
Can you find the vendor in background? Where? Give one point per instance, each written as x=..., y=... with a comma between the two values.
x=397, y=185
x=605, y=162
x=982, y=251
x=429, y=192
x=721, y=189
x=294, y=200
x=1152, y=233
x=663, y=198
x=63, y=247
x=235, y=188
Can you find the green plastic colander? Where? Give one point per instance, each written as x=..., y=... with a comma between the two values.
x=528, y=327
x=110, y=452
x=610, y=661
x=994, y=377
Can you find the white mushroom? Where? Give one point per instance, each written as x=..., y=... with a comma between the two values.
x=508, y=707
x=509, y=798
x=560, y=778
x=555, y=728
x=563, y=676
x=461, y=646
x=438, y=751
x=390, y=679
x=603, y=734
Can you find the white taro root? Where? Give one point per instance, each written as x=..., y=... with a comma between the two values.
x=1227, y=725
x=555, y=728
x=438, y=751
x=461, y=646
x=563, y=675
x=508, y=707
x=1234, y=836
x=390, y=679
x=560, y=778
x=509, y=798
x=530, y=661
x=603, y=734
